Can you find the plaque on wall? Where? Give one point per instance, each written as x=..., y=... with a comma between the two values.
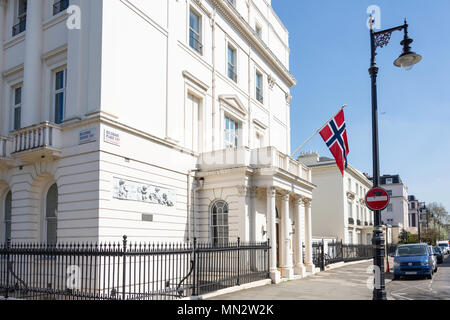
x=142, y=192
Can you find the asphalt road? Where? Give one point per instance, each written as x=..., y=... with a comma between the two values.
x=350, y=283
x=423, y=289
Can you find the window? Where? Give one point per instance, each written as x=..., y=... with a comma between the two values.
x=413, y=220
x=219, y=223
x=232, y=2
x=350, y=210
x=195, y=40
x=350, y=237
x=193, y=124
x=232, y=74
x=259, y=140
x=20, y=19
x=389, y=180
x=259, y=87
x=59, y=6
x=51, y=210
x=413, y=205
x=349, y=184
x=231, y=133
x=17, y=109
x=60, y=95
x=7, y=217
x=389, y=207
x=258, y=30
x=389, y=193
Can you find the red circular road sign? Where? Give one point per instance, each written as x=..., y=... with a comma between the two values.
x=377, y=199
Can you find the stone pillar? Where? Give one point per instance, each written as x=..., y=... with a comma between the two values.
x=299, y=268
x=32, y=79
x=76, y=60
x=271, y=216
x=286, y=270
x=3, y=114
x=308, y=229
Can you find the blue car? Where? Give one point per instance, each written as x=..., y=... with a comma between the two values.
x=413, y=260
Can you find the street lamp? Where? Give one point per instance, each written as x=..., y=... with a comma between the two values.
x=405, y=61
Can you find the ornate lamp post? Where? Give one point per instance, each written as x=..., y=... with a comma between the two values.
x=406, y=60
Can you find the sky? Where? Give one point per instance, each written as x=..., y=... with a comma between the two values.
x=330, y=57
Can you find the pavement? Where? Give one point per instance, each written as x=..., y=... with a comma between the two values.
x=350, y=282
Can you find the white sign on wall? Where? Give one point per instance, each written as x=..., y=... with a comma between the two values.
x=142, y=192
x=112, y=137
x=87, y=136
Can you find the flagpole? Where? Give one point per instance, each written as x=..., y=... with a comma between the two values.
x=318, y=130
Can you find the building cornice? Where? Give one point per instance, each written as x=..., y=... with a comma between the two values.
x=244, y=29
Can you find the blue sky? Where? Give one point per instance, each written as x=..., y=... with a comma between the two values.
x=330, y=53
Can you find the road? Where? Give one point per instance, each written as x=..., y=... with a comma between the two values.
x=350, y=283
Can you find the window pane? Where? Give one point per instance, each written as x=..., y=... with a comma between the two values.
x=59, y=108
x=18, y=96
x=194, y=22
x=51, y=230
x=17, y=118
x=59, y=80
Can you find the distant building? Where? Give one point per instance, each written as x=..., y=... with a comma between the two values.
x=339, y=209
x=396, y=214
x=413, y=214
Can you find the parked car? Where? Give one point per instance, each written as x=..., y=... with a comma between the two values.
x=439, y=254
x=413, y=259
x=433, y=255
x=444, y=246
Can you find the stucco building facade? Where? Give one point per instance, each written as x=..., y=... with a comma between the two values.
x=160, y=120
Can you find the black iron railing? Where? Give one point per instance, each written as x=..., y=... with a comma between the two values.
x=19, y=27
x=122, y=271
x=60, y=6
x=334, y=252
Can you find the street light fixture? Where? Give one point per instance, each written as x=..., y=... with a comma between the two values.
x=405, y=61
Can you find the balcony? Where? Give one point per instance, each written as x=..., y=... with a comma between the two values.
x=37, y=142
x=256, y=158
x=5, y=153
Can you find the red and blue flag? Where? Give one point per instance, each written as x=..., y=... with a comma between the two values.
x=335, y=136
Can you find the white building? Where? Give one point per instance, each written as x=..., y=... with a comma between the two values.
x=413, y=214
x=163, y=120
x=339, y=209
x=396, y=213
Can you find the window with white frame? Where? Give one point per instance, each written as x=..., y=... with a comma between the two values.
x=60, y=95
x=51, y=218
x=219, y=223
x=7, y=217
x=258, y=30
x=231, y=133
x=193, y=124
x=350, y=210
x=389, y=181
x=195, y=36
x=232, y=57
x=20, y=17
x=389, y=207
x=17, y=109
x=259, y=87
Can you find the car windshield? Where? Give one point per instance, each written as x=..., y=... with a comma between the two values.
x=443, y=245
x=407, y=251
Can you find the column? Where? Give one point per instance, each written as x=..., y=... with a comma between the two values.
x=3, y=104
x=299, y=268
x=286, y=270
x=32, y=79
x=308, y=229
x=253, y=228
x=76, y=60
x=271, y=216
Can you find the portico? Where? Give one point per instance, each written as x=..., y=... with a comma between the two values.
x=265, y=203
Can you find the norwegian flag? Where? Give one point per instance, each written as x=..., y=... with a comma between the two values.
x=335, y=136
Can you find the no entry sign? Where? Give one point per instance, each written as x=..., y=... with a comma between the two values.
x=377, y=199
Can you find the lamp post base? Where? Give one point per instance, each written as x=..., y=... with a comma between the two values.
x=379, y=291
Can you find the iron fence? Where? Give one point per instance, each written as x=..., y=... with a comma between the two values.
x=334, y=252
x=122, y=271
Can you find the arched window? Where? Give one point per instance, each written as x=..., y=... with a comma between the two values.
x=51, y=210
x=219, y=223
x=7, y=217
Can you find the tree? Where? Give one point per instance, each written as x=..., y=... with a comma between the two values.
x=403, y=236
x=413, y=238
